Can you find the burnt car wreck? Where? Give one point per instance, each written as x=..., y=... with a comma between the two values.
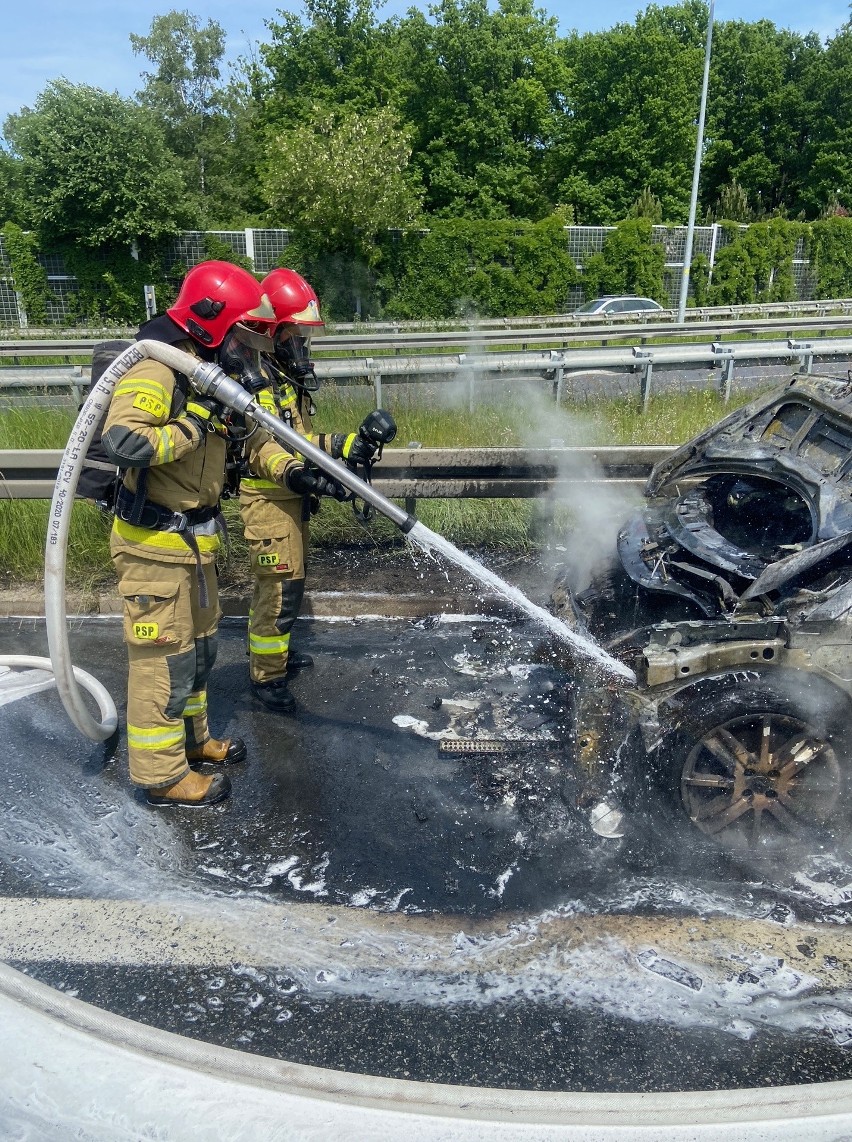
x=731, y=599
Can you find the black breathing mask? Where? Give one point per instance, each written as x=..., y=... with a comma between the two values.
x=239, y=357
x=292, y=353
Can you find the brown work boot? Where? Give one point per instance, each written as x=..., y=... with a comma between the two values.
x=193, y=790
x=213, y=752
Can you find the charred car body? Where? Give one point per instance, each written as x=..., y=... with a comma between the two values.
x=732, y=600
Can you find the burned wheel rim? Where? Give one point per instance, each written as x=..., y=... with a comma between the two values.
x=760, y=780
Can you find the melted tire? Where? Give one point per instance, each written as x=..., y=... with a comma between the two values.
x=751, y=763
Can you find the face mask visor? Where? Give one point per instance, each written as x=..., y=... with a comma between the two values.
x=239, y=356
x=293, y=355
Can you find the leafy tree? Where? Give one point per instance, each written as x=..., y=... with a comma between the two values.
x=759, y=114
x=828, y=149
x=341, y=178
x=208, y=122
x=95, y=168
x=647, y=205
x=10, y=194
x=633, y=105
x=337, y=57
x=484, y=93
x=338, y=180
x=732, y=205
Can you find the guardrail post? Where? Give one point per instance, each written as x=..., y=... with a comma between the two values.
x=471, y=384
x=558, y=376
x=647, y=367
x=727, y=363
x=804, y=351
x=411, y=501
x=376, y=379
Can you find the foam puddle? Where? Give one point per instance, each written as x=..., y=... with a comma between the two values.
x=430, y=542
x=734, y=976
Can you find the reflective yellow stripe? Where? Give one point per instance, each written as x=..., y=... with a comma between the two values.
x=160, y=738
x=165, y=451
x=196, y=704
x=164, y=539
x=259, y=484
x=283, y=456
x=198, y=410
x=267, y=400
x=138, y=385
x=348, y=442
x=279, y=644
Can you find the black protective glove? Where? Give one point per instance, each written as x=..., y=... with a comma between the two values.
x=305, y=481
x=359, y=451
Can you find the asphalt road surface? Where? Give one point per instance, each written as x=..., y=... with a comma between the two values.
x=366, y=902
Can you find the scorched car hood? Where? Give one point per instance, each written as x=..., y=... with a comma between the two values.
x=758, y=500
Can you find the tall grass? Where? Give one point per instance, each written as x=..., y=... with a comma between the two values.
x=432, y=415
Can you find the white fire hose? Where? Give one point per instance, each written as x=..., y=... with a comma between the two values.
x=209, y=380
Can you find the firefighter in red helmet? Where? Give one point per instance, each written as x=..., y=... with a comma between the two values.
x=279, y=494
x=171, y=447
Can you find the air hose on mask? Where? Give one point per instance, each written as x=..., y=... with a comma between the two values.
x=209, y=380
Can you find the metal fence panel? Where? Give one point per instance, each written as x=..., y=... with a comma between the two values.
x=265, y=247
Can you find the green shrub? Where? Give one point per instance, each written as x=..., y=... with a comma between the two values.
x=757, y=265
x=831, y=256
x=629, y=263
x=30, y=276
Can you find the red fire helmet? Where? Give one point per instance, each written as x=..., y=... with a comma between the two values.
x=215, y=296
x=293, y=299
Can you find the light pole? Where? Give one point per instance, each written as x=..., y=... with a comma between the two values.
x=696, y=173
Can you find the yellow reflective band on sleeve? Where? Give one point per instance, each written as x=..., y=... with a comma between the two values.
x=266, y=400
x=258, y=485
x=147, y=403
x=347, y=444
x=163, y=737
x=277, y=644
x=196, y=704
x=166, y=540
x=283, y=456
x=198, y=410
x=290, y=400
x=146, y=630
x=138, y=385
x=165, y=450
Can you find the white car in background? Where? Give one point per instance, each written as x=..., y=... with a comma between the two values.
x=612, y=306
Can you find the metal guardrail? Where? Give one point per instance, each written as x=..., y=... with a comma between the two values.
x=420, y=473
x=479, y=337
x=557, y=366
x=695, y=315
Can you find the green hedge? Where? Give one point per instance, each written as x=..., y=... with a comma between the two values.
x=30, y=276
x=465, y=268
x=757, y=265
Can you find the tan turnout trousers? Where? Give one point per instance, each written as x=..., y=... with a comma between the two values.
x=278, y=569
x=171, y=647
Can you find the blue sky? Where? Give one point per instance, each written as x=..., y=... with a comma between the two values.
x=87, y=41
